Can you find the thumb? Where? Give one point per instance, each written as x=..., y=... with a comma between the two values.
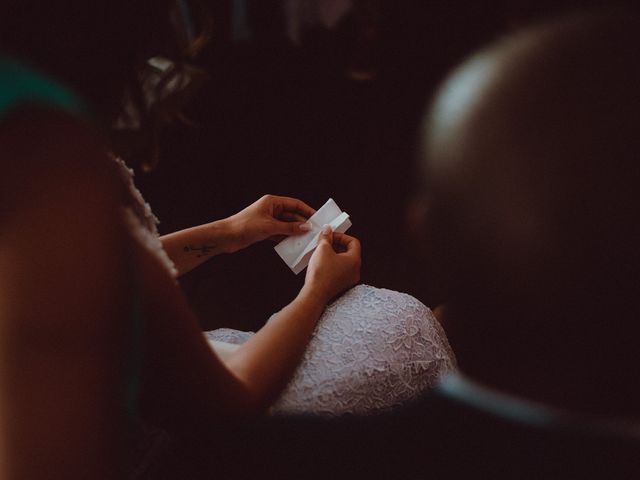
x=291, y=228
x=326, y=235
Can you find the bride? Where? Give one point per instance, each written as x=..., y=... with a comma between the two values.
x=371, y=348
x=94, y=324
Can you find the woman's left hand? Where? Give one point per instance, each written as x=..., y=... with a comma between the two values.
x=270, y=217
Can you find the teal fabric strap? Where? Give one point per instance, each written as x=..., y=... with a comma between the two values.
x=20, y=86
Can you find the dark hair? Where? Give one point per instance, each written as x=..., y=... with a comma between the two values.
x=90, y=46
x=101, y=50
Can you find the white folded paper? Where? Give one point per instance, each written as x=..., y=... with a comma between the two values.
x=297, y=250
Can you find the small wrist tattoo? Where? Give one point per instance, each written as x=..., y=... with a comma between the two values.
x=201, y=251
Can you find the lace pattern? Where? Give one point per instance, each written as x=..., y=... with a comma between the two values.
x=140, y=220
x=373, y=349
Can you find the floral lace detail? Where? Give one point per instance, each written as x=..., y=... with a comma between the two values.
x=229, y=335
x=373, y=349
x=140, y=220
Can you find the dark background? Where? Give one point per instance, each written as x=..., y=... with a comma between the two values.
x=291, y=120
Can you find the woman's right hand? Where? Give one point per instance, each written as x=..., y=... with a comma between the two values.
x=334, y=266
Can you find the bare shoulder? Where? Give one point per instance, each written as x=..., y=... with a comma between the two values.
x=32, y=131
x=59, y=217
x=46, y=153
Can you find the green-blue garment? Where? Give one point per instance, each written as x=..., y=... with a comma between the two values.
x=21, y=86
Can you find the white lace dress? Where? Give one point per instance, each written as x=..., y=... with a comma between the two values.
x=372, y=349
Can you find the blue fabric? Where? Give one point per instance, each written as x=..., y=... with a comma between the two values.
x=20, y=86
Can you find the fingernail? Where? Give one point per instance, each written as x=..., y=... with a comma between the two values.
x=305, y=227
x=326, y=229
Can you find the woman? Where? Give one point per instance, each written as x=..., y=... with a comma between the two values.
x=93, y=323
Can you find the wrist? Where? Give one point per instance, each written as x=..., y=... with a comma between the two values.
x=221, y=232
x=313, y=296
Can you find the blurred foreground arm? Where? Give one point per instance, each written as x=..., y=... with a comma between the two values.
x=62, y=265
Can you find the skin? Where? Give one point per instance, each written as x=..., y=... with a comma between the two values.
x=530, y=167
x=66, y=274
x=260, y=367
x=271, y=217
x=60, y=340
x=68, y=269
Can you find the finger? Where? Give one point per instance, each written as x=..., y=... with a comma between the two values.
x=291, y=217
x=289, y=228
x=441, y=313
x=338, y=248
x=349, y=243
x=288, y=204
x=326, y=236
x=346, y=240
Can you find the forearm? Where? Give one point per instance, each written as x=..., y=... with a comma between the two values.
x=266, y=362
x=186, y=386
x=269, y=217
x=190, y=247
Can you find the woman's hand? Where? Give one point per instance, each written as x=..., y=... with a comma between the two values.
x=267, y=360
x=270, y=217
x=334, y=266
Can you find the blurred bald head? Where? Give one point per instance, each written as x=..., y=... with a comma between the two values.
x=532, y=150
x=531, y=162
